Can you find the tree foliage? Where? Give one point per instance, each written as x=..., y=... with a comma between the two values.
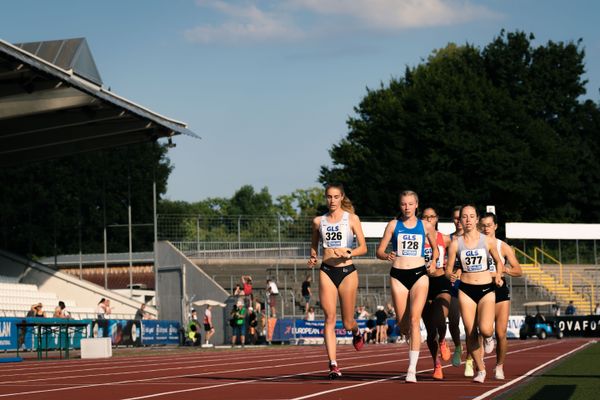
x=502, y=125
x=51, y=207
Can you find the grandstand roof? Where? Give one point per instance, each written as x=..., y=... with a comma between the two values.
x=53, y=104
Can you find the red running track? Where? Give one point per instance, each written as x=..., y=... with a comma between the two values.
x=272, y=373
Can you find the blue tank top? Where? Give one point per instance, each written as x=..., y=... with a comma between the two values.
x=409, y=242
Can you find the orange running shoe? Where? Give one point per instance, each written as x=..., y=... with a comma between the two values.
x=444, y=351
x=438, y=374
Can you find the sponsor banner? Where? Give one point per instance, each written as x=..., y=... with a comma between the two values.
x=122, y=332
x=8, y=333
x=12, y=337
x=287, y=329
x=159, y=332
x=585, y=325
x=514, y=325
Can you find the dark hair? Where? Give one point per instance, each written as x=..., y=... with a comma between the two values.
x=61, y=304
x=490, y=215
x=102, y=300
x=346, y=202
x=436, y=213
x=469, y=205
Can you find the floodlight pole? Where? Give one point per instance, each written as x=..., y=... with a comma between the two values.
x=155, y=245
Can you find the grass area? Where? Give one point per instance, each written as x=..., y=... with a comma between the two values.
x=577, y=377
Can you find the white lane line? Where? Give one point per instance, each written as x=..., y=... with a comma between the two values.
x=300, y=374
x=372, y=354
x=529, y=373
x=204, y=362
x=308, y=396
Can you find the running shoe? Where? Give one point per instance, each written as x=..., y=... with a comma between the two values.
x=438, y=374
x=499, y=372
x=488, y=345
x=358, y=341
x=444, y=351
x=469, y=368
x=456, y=357
x=411, y=377
x=480, y=378
x=334, y=372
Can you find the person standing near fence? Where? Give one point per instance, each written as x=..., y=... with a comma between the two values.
x=337, y=276
x=247, y=289
x=209, y=328
x=306, y=292
x=408, y=276
x=489, y=224
x=272, y=294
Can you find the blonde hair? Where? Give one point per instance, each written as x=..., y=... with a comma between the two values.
x=410, y=193
x=346, y=202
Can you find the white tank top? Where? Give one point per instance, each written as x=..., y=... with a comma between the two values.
x=491, y=262
x=476, y=259
x=338, y=234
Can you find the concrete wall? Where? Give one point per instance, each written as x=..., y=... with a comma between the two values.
x=177, y=274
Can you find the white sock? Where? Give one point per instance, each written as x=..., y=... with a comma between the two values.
x=333, y=362
x=413, y=357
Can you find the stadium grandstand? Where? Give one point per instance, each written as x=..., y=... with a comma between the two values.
x=53, y=103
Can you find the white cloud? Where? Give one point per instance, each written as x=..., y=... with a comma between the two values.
x=269, y=20
x=243, y=23
x=398, y=14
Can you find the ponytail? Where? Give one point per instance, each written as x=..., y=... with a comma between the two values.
x=346, y=202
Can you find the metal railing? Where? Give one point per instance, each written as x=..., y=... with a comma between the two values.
x=539, y=256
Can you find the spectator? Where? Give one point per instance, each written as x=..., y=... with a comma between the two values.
x=389, y=309
x=141, y=313
x=381, y=318
x=237, y=290
x=238, y=323
x=310, y=314
x=103, y=309
x=306, y=292
x=597, y=310
x=363, y=313
x=370, y=332
x=194, y=329
x=60, y=311
x=571, y=309
x=247, y=289
x=252, y=325
x=208, y=325
x=557, y=310
x=194, y=338
x=32, y=311
x=39, y=312
x=272, y=293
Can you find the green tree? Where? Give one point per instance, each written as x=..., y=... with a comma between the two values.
x=50, y=207
x=503, y=125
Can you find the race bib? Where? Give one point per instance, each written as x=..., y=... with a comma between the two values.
x=429, y=256
x=474, y=260
x=410, y=245
x=334, y=236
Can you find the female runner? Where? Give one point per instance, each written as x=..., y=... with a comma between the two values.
x=409, y=280
x=476, y=293
x=488, y=225
x=338, y=276
x=438, y=298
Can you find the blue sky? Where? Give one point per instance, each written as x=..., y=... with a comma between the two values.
x=269, y=85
